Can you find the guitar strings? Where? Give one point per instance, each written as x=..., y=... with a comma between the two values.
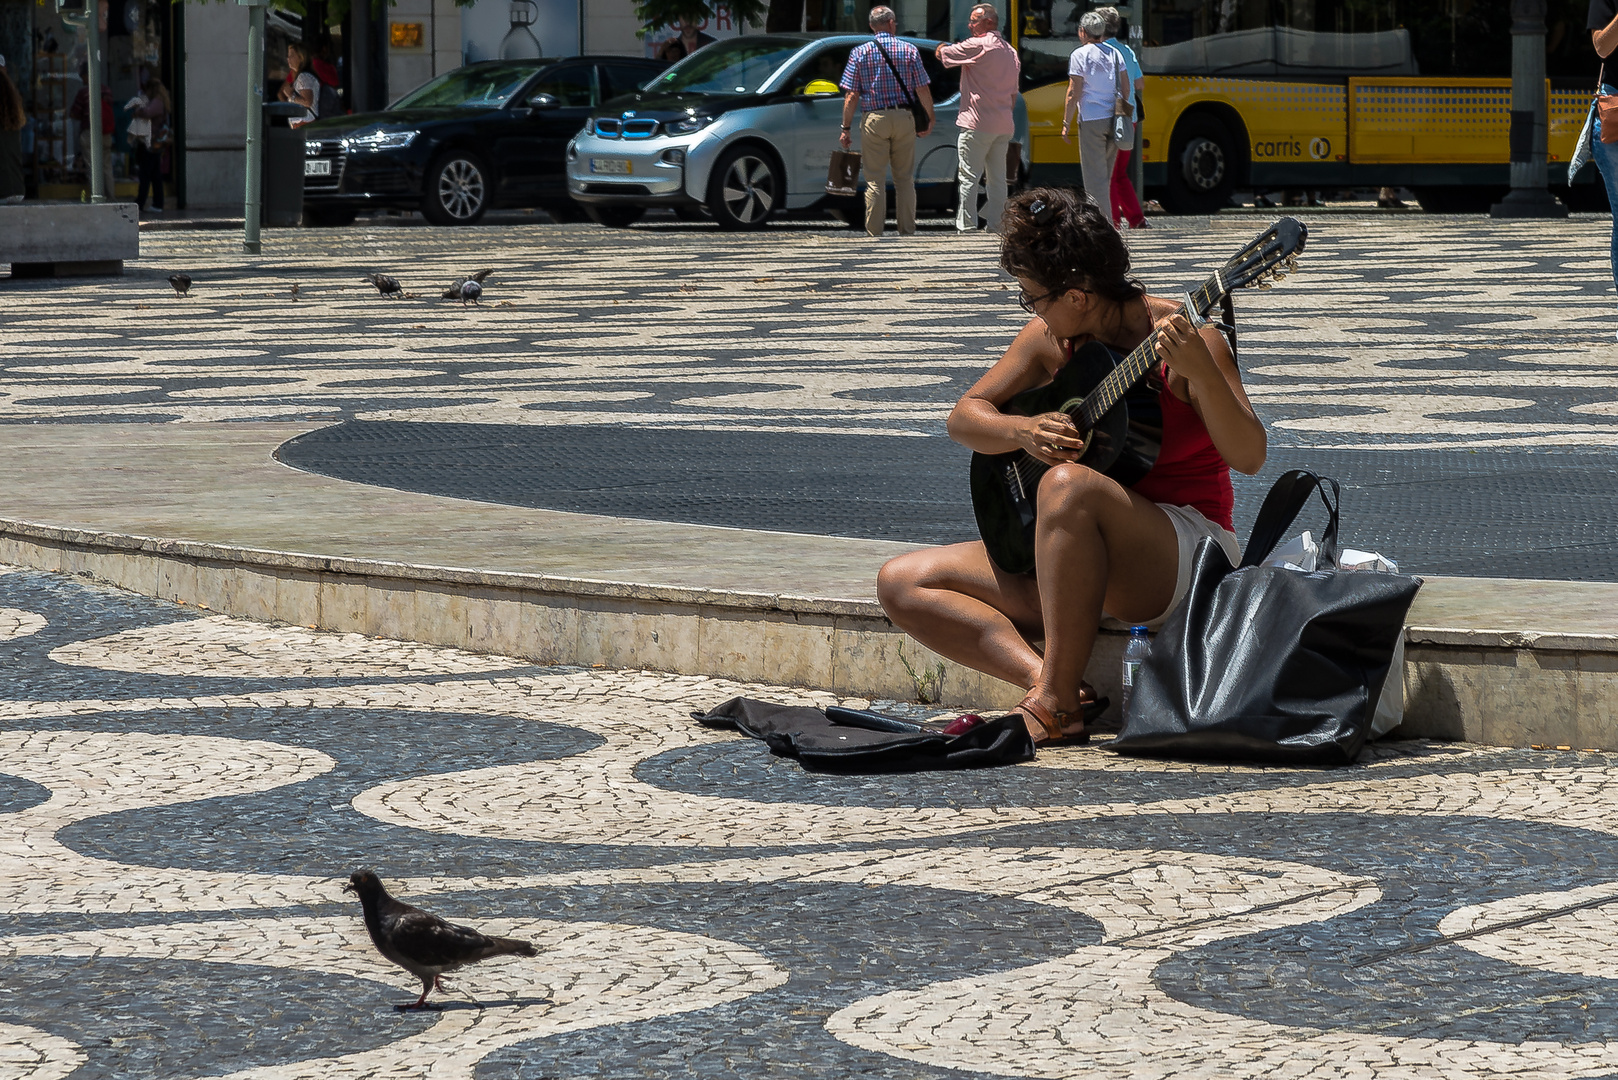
x=1117, y=382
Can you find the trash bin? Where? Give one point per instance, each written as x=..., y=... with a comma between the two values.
x=283, y=164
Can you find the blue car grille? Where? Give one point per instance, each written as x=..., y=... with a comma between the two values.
x=612, y=128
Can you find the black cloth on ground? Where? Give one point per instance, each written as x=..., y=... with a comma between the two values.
x=820, y=745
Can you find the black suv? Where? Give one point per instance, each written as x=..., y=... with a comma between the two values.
x=488, y=134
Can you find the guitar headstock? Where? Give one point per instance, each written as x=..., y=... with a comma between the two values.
x=1267, y=258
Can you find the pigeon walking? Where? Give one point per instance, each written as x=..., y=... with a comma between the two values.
x=467, y=288
x=423, y=944
x=181, y=283
x=386, y=285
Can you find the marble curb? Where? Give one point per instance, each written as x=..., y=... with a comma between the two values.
x=1469, y=674
x=742, y=600
x=1451, y=596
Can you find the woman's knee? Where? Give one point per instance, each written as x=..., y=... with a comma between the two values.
x=1070, y=489
x=899, y=580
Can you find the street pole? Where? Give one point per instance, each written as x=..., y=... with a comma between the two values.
x=1529, y=197
x=98, y=151
x=253, y=208
x=88, y=15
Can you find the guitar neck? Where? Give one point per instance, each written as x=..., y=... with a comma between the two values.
x=1098, y=402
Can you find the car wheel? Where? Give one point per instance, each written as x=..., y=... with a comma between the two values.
x=457, y=189
x=1202, y=166
x=327, y=217
x=745, y=189
x=615, y=217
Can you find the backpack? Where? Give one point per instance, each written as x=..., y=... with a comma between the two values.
x=327, y=103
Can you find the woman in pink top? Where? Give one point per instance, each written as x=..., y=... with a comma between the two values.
x=989, y=71
x=1098, y=546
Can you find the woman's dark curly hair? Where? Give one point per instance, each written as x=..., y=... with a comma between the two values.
x=1062, y=240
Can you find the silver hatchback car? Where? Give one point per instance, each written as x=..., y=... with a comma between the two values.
x=743, y=130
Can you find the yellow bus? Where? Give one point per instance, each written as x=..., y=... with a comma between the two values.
x=1275, y=107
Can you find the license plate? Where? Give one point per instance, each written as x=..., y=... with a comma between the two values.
x=612, y=166
x=317, y=167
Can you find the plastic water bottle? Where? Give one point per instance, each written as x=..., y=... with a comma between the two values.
x=1134, y=656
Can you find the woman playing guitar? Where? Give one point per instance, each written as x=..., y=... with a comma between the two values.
x=1099, y=547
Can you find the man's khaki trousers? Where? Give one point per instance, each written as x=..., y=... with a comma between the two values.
x=888, y=136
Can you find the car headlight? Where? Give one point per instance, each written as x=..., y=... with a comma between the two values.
x=383, y=140
x=687, y=125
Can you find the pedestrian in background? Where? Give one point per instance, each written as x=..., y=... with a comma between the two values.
x=12, y=120
x=888, y=133
x=989, y=72
x=1096, y=79
x=80, y=111
x=301, y=85
x=1603, y=26
x=1125, y=200
x=155, y=110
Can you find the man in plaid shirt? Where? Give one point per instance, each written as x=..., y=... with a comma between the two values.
x=888, y=132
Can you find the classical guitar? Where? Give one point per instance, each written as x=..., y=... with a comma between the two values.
x=1120, y=419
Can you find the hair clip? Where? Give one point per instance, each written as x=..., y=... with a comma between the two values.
x=1042, y=212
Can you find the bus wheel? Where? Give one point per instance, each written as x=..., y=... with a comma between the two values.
x=1202, y=166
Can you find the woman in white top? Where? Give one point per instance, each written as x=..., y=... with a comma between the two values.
x=301, y=85
x=1096, y=79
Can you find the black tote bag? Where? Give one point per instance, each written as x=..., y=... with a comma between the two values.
x=1266, y=664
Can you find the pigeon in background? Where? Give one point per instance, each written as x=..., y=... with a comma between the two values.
x=467, y=288
x=423, y=944
x=387, y=286
x=181, y=283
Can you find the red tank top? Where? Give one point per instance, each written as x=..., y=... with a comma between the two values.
x=1189, y=470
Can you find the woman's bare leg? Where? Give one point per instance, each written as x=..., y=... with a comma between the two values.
x=1097, y=546
x=957, y=603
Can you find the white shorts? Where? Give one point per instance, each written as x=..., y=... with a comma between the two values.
x=1189, y=528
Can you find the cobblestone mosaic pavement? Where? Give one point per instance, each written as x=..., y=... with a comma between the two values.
x=1416, y=332
x=181, y=796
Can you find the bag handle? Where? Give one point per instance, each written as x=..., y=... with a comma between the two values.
x=910, y=100
x=1281, y=506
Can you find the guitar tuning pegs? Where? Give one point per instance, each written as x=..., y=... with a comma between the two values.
x=1262, y=284
x=1292, y=262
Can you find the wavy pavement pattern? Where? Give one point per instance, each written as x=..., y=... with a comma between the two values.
x=586, y=975
x=1096, y=1010
x=1380, y=340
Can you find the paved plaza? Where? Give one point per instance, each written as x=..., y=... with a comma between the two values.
x=183, y=794
x=1456, y=373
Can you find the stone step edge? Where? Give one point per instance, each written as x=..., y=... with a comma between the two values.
x=1416, y=633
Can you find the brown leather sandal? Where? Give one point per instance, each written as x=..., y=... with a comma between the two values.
x=1055, y=723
